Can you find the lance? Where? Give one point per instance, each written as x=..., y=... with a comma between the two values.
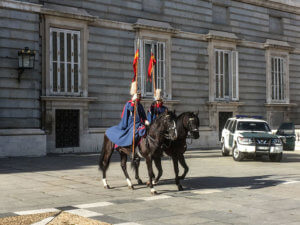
x=135, y=103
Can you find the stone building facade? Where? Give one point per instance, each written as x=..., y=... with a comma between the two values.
x=218, y=57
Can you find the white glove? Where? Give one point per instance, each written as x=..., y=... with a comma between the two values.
x=134, y=97
x=147, y=123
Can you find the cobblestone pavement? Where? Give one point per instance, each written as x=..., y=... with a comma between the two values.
x=217, y=190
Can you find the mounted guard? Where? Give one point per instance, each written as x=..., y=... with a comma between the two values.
x=122, y=134
x=156, y=107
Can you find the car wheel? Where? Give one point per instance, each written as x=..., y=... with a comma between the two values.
x=236, y=154
x=276, y=157
x=225, y=152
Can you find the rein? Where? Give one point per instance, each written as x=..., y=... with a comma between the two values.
x=162, y=133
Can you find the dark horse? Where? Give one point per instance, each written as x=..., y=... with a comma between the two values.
x=187, y=125
x=163, y=128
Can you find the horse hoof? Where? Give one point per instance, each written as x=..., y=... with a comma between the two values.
x=140, y=181
x=153, y=191
x=148, y=183
x=131, y=187
x=107, y=187
x=154, y=182
x=180, y=188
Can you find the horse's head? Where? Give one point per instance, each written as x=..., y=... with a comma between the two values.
x=192, y=124
x=168, y=120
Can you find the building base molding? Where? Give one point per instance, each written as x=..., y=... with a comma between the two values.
x=22, y=142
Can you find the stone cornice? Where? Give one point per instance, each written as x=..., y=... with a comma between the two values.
x=154, y=26
x=65, y=98
x=70, y=15
x=224, y=103
x=221, y=36
x=274, y=44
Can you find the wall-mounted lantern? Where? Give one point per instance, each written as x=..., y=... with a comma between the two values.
x=26, y=60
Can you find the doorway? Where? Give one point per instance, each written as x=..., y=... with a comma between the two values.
x=223, y=116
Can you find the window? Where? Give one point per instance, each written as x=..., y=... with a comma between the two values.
x=277, y=76
x=226, y=124
x=275, y=25
x=226, y=74
x=253, y=126
x=65, y=77
x=219, y=14
x=232, y=126
x=158, y=49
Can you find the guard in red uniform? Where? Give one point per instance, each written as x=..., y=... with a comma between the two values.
x=156, y=107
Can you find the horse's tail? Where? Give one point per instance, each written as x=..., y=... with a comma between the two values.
x=106, y=152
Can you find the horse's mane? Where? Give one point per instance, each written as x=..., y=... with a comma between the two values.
x=179, y=119
x=158, y=119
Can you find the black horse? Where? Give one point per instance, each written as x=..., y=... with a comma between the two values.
x=163, y=128
x=187, y=125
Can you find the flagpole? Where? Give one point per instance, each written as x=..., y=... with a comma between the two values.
x=135, y=105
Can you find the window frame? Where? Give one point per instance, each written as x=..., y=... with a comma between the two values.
x=283, y=54
x=65, y=63
x=143, y=71
x=278, y=77
x=155, y=37
x=233, y=74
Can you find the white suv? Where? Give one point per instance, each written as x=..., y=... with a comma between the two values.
x=247, y=137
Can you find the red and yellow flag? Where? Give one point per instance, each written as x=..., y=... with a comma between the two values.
x=150, y=66
x=135, y=64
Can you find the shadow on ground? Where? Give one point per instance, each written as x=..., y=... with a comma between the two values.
x=77, y=161
x=252, y=182
x=47, y=163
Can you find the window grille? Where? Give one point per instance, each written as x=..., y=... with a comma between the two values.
x=278, y=74
x=65, y=77
x=158, y=49
x=226, y=74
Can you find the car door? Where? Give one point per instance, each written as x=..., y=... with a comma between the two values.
x=231, y=134
x=226, y=132
x=286, y=132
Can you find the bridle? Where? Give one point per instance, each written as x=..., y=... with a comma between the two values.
x=190, y=128
x=166, y=134
x=171, y=128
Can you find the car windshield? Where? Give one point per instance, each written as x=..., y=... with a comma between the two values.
x=253, y=126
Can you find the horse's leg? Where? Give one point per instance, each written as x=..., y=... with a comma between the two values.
x=157, y=161
x=124, y=168
x=153, y=174
x=137, y=160
x=176, y=170
x=184, y=165
x=106, y=153
x=150, y=174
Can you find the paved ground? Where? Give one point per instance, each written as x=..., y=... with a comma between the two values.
x=217, y=190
